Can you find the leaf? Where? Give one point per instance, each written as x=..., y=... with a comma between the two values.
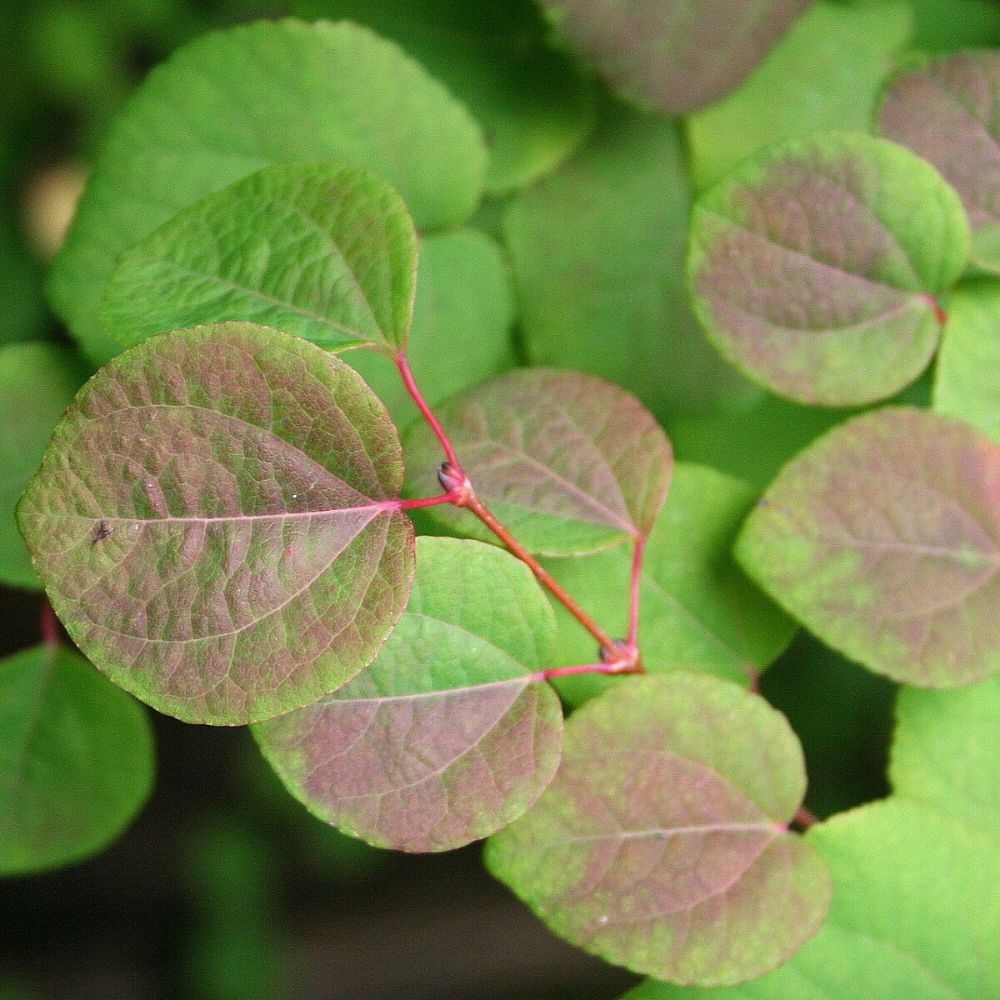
x=967, y=373
x=570, y=464
x=826, y=72
x=530, y=101
x=675, y=55
x=698, y=610
x=462, y=320
x=947, y=112
x=814, y=266
x=257, y=95
x=326, y=252
x=956, y=25
x=912, y=915
x=945, y=751
x=215, y=524
x=76, y=760
x=446, y=737
x=661, y=843
x=598, y=252
x=37, y=382
x=22, y=306
x=882, y=539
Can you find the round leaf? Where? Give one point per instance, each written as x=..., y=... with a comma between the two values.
x=76, y=760
x=815, y=264
x=947, y=112
x=447, y=736
x=325, y=252
x=568, y=463
x=661, y=843
x=215, y=525
x=236, y=101
x=698, y=610
x=37, y=382
x=883, y=538
x=675, y=55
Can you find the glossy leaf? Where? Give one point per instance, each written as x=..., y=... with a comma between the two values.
x=37, y=382
x=946, y=752
x=569, y=463
x=257, y=95
x=598, y=252
x=462, y=320
x=967, y=373
x=446, y=737
x=883, y=538
x=675, y=55
x=698, y=610
x=913, y=915
x=76, y=760
x=661, y=843
x=215, y=525
x=326, y=252
x=530, y=101
x=947, y=112
x=814, y=266
x=826, y=72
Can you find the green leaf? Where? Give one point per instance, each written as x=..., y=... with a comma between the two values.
x=698, y=610
x=883, y=538
x=814, y=266
x=598, y=252
x=446, y=737
x=462, y=320
x=661, y=844
x=913, y=915
x=825, y=73
x=22, y=306
x=76, y=760
x=675, y=55
x=215, y=523
x=531, y=101
x=947, y=112
x=967, y=374
x=570, y=464
x=955, y=25
x=37, y=382
x=945, y=752
x=257, y=95
x=326, y=252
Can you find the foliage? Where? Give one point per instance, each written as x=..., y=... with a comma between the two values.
x=440, y=269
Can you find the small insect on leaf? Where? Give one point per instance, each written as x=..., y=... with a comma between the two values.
x=101, y=531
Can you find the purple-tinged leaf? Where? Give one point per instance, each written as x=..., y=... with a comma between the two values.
x=675, y=55
x=570, y=463
x=661, y=844
x=948, y=112
x=215, y=523
x=814, y=266
x=446, y=737
x=883, y=538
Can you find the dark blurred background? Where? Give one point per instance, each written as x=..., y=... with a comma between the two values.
x=225, y=887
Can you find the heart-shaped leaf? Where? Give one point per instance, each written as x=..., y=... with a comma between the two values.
x=76, y=759
x=326, y=252
x=661, y=844
x=698, y=611
x=675, y=55
x=814, y=266
x=883, y=538
x=233, y=102
x=215, y=523
x=967, y=372
x=947, y=112
x=826, y=72
x=569, y=463
x=37, y=382
x=914, y=914
x=447, y=736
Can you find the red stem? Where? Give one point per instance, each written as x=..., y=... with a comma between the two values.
x=411, y=387
x=635, y=587
x=450, y=497
x=805, y=818
x=49, y=624
x=611, y=669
